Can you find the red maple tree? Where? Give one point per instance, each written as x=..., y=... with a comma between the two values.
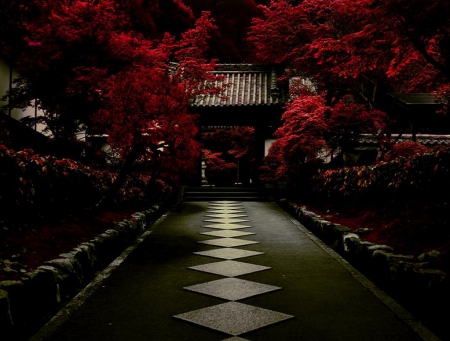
x=352, y=53
x=146, y=107
x=233, y=19
x=363, y=47
x=219, y=172
x=155, y=17
x=87, y=65
x=63, y=58
x=233, y=146
x=311, y=130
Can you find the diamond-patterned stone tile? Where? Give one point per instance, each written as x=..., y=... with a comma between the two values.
x=225, y=226
x=228, y=253
x=226, y=210
x=233, y=318
x=232, y=289
x=236, y=338
x=229, y=268
x=226, y=215
x=236, y=204
x=226, y=220
x=215, y=205
x=227, y=233
x=228, y=242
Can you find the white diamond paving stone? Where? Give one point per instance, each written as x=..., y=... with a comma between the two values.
x=228, y=253
x=224, y=226
x=226, y=215
x=226, y=221
x=236, y=338
x=226, y=210
x=230, y=268
x=231, y=204
x=228, y=233
x=228, y=242
x=232, y=289
x=233, y=318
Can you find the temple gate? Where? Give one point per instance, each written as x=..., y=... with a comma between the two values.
x=252, y=98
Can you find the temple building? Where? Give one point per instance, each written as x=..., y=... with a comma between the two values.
x=253, y=97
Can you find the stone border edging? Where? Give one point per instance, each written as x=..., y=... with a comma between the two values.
x=63, y=315
x=396, y=308
x=396, y=269
x=39, y=293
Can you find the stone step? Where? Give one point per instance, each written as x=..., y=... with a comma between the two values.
x=224, y=193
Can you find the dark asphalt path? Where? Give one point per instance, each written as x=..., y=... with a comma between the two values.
x=139, y=300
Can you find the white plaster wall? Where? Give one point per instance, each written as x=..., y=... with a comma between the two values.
x=4, y=86
x=267, y=144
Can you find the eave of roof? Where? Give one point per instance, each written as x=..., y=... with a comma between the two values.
x=425, y=139
x=415, y=98
x=246, y=85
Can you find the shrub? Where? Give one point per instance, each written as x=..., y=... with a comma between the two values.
x=43, y=185
x=406, y=149
x=425, y=174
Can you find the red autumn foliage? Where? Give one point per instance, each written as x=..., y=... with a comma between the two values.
x=233, y=20
x=312, y=129
x=235, y=143
x=155, y=17
x=302, y=133
x=62, y=57
x=405, y=149
x=243, y=143
x=85, y=63
x=365, y=48
x=421, y=175
x=145, y=114
x=361, y=49
x=218, y=171
x=45, y=186
x=268, y=171
x=228, y=149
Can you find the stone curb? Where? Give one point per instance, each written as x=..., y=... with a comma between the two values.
x=419, y=273
x=40, y=292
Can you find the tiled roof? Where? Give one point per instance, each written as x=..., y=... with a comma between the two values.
x=415, y=98
x=247, y=85
x=425, y=139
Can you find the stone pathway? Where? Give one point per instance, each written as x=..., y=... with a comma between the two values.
x=233, y=318
x=231, y=271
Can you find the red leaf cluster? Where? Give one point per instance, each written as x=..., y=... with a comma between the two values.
x=44, y=186
x=88, y=64
x=415, y=175
x=311, y=130
x=405, y=149
x=218, y=171
x=361, y=47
